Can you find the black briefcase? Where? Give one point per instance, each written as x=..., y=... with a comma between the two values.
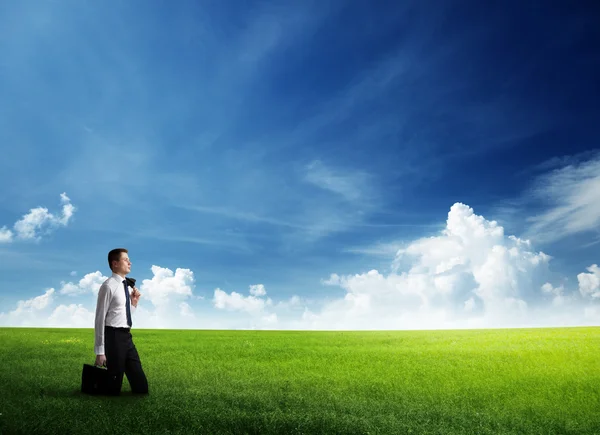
x=95, y=380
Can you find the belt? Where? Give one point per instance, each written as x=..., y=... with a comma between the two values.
x=118, y=329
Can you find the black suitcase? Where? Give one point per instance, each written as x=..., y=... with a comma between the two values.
x=96, y=380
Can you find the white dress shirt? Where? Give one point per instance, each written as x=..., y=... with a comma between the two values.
x=111, y=309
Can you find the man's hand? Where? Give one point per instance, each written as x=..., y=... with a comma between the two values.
x=100, y=360
x=135, y=296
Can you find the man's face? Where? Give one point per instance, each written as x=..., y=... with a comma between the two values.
x=123, y=266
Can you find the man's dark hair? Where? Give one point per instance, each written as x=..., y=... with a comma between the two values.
x=115, y=255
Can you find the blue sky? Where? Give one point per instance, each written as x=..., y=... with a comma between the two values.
x=295, y=147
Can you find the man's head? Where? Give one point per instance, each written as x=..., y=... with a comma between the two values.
x=118, y=261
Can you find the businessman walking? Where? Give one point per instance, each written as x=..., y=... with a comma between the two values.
x=113, y=344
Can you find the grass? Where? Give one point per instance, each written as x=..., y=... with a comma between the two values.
x=513, y=381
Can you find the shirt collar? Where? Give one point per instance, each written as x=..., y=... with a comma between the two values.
x=118, y=277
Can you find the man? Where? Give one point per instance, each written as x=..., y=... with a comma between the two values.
x=113, y=342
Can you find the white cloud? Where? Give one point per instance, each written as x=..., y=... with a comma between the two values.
x=258, y=290
x=270, y=319
x=469, y=304
x=186, y=310
x=572, y=197
x=27, y=226
x=68, y=288
x=471, y=275
x=31, y=225
x=90, y=283
x=557, y=293
x=166, y=292
x=166, y=286
x=68, y=209
x=38, y=302
x=379, y=249
x=63, y=316
x=589, y=283
x=29, y=312
x=71, y=316
x=352, y=186
x=6, y=235
x=258, y=312
x=290, y=304
x=238, y=302
x=334, y=279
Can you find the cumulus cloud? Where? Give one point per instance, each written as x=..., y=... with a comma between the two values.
x=6, y=235
x=155, y=310
x=167, y=286
x=90, y=283
x=258, y=290
x=256, y=311
x=186, y=310
x=71, y=316
x=589, y=283
x=471, y=275
x=38, y=221
x=29, y=312
x=37, y=303
x=294, y=302
x=36, y=312
x=557, y=294
x=238, y=302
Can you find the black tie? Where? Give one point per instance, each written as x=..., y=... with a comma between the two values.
x=127, y=307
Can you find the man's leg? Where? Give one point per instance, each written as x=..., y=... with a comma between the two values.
x=116, y=353
x=133, y=370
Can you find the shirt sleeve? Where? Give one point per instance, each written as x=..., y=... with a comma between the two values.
x=104, y=297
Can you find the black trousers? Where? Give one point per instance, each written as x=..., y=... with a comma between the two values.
x=122, y=358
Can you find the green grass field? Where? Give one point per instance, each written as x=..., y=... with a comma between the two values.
x=534, y=381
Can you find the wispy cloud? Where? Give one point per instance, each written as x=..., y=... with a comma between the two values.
x=231, y=242
x=570, y=199
x=381, y=249
x=242, y=215
x=39, y=221
x=297, y=222
x=353, y=186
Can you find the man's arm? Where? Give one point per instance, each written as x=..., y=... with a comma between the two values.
x=104, y=296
